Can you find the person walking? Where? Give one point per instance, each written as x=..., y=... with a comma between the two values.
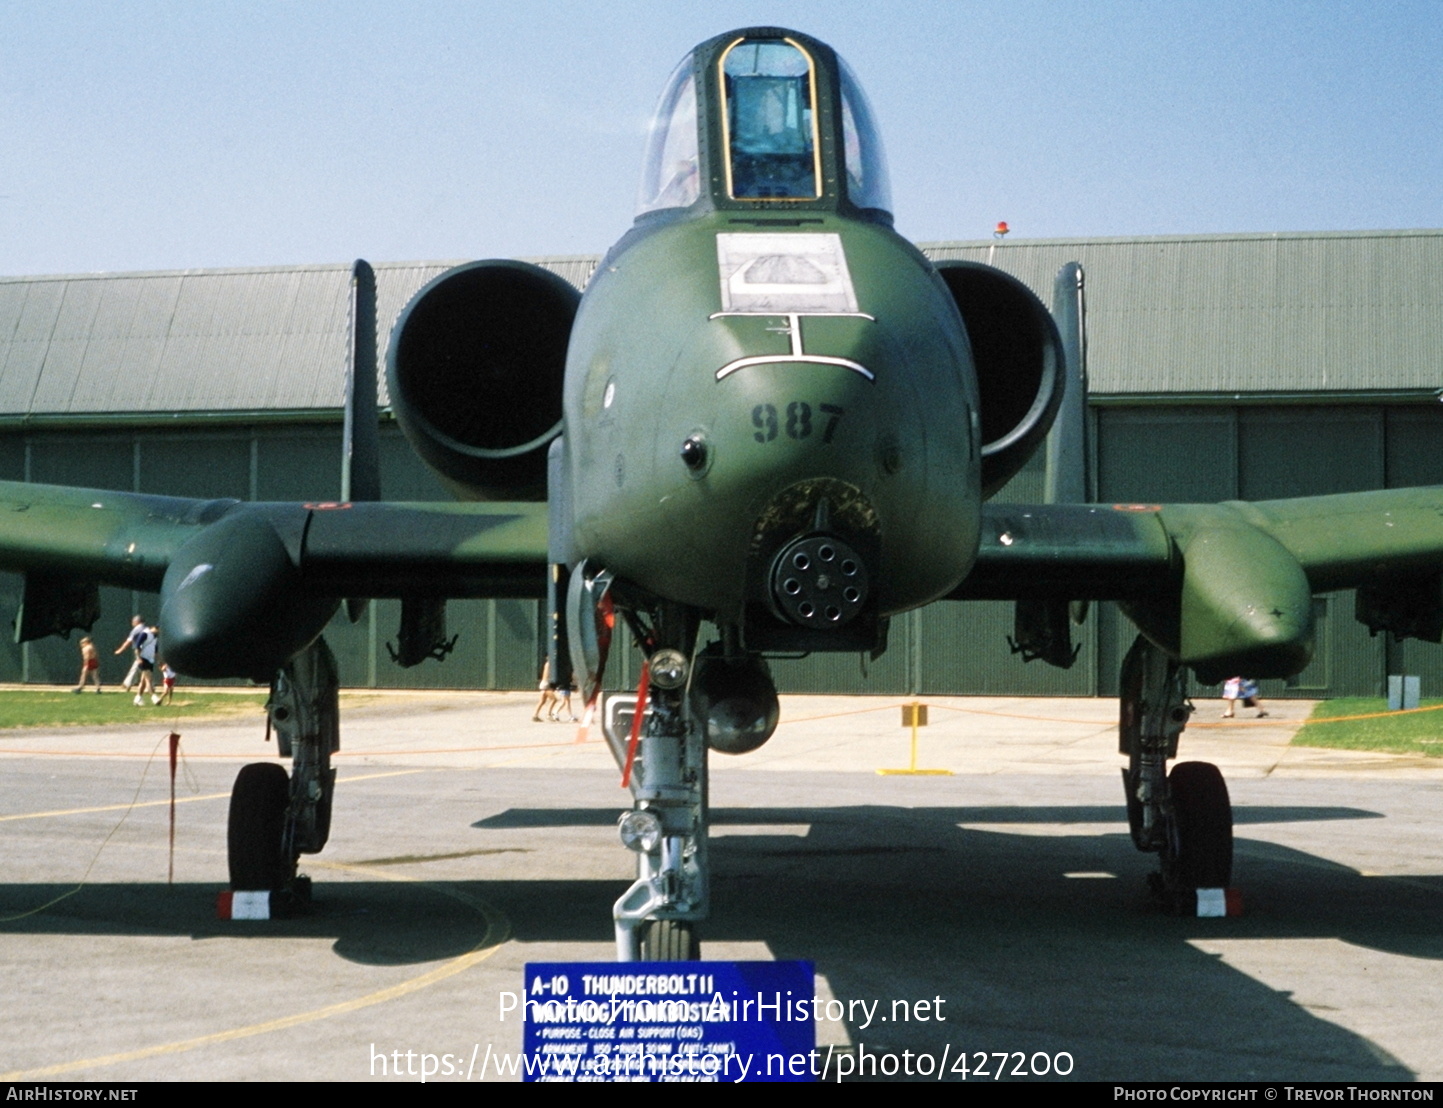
x=141, y=640
x=89, y=664
x=1244, y=689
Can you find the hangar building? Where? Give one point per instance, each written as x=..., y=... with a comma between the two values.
x=1222, y=366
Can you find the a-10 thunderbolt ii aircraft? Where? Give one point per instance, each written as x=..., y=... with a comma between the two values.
x=769, y=425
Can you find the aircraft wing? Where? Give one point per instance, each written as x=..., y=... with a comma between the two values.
x=1353, y=540
x=1221, y=587
x=362, y=549
x=1123, y=551
x=1069, y=552
x=244, y=586
x=107, y=538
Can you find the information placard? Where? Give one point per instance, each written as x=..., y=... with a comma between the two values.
x=670, y=1021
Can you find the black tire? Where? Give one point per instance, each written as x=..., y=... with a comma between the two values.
x=670, y=940
x=1129, y=701
x=1201, y=839
x=1134, y=813
x=255, y=832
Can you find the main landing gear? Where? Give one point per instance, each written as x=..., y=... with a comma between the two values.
x=275, y=817
x=1184, y=816
x=665, y=769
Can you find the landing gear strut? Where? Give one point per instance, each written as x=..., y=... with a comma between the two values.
x=275, y=818
x=667, y=827
x=1184, y=816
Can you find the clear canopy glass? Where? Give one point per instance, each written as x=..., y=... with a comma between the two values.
x=671, y=171
x=769, y=88
x=867, y=183
x=772, y=148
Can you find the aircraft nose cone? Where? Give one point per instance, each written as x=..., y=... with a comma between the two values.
x=819, y=581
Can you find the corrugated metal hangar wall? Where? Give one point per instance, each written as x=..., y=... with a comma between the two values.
x=1222, y=367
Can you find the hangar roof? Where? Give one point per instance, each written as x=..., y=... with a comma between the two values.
x=194, y=341
x=1260, y=314
x=1185, y=316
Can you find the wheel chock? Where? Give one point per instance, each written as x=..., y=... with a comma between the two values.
x=1199, y=903
x=264, y=903
x=243, y=904
x=1217, y=903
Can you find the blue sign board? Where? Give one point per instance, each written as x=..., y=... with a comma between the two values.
x=670, y=1021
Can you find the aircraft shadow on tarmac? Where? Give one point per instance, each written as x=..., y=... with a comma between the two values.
x=906, y=904
x=1080, y=813
x=1289, y=893
x=909, y=904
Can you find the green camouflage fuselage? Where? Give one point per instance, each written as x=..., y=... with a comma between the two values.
x=897, y=452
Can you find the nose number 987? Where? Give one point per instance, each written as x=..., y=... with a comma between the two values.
x=767, y=421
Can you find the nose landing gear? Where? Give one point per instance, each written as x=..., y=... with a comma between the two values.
x=656, y=917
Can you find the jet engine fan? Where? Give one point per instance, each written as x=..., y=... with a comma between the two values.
x=1019, y=361
x=475, y=371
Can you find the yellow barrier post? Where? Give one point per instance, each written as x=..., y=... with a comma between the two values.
x=914, y=715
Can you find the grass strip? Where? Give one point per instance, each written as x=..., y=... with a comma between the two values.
x=1413, y=732
x=32, y=708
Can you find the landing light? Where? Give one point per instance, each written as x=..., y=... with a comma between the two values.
x=640, y=830
x=668, y=669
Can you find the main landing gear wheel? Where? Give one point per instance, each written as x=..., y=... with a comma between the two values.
x=255, y=832
x=670, y=940
x=1199, y=853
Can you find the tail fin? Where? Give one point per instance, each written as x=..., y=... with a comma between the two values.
x=1069, y=456
x=360, y=436
x=1041, y=625
x=361, y=446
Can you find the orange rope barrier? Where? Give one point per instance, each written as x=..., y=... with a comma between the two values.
x=1109, y=722
x=253, y=754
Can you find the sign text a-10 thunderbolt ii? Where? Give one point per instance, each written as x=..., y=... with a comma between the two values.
x=768, y=426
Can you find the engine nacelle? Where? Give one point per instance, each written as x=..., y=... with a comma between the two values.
x=736, y=701
x=1019, y=361
x=475, y=371
x=1244, y=606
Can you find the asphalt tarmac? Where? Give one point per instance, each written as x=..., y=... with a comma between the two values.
x=469, y=841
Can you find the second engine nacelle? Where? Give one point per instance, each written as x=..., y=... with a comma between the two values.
x=1019, y=361
x=475, y=370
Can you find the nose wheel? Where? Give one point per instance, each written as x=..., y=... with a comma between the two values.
x=670, y=940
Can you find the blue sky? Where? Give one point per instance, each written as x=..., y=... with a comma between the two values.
x=158, y=135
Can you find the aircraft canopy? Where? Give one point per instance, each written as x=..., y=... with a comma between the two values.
x=770, y=131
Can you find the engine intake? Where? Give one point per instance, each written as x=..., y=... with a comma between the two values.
x=475, y=371
x=1019, y=362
